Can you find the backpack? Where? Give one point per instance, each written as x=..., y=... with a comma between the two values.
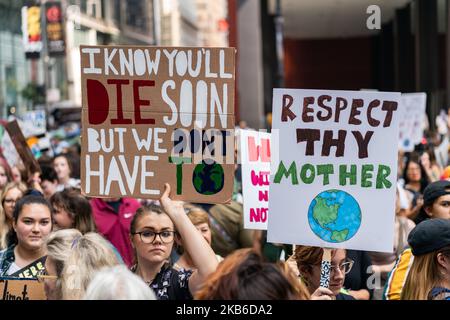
x=227, y=228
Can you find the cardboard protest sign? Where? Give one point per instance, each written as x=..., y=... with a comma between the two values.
x=153, y=115
x=17, y=138
x=8, y=150
x=21, y=289
x=413, y=106
x=333, y=179
x=34, y=128
x=255, y=167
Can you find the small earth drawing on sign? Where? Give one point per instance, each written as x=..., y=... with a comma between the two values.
x=208, y=179
x=334, y=216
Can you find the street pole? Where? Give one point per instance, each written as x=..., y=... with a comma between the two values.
x=156, y=23
x=46, y=60
x=279, y=21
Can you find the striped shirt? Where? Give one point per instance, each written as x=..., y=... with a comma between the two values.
x=397, y=277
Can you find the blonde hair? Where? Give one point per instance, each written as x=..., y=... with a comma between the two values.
x=4, y=227
x=422, y=277
x=196, y=215
x=58, y=249
x=88, y=253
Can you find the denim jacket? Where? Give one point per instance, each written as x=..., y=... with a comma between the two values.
x=7, y=257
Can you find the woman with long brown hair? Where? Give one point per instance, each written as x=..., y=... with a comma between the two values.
x=152, y=233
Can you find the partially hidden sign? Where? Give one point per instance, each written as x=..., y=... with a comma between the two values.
x=153, y=115
x=22, y=148
x=411, y=120
x=333, y=182
x=21, y=289
x=255, y=165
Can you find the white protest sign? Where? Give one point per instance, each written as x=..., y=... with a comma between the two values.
x=33, y=123
x=412, y=107
x=255, y=161
x=333, y=183
x=9, y=150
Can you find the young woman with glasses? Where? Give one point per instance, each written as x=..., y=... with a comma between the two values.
x=309, y=260
x=153, y=232
x=10, y=195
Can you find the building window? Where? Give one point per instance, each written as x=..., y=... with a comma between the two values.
x=137, y=15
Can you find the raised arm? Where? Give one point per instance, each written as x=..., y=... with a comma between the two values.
x=200, y=251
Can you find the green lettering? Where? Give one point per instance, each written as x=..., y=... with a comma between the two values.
x=366, y=174
x=304, y=176
x=344, y=174
x=325, y=170
x=383, y=173
x=179, y=162
x=283, y=172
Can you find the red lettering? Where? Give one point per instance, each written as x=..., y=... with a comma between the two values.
x=254, y=151
x=261, y=179
x=120, y=119
x=97, y=101
x=138, y=102
x=263, y=195
x=258, y=214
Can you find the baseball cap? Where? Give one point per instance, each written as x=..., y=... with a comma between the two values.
x=429, y=236
x=435, y=190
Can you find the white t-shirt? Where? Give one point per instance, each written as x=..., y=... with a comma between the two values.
x=13, y=268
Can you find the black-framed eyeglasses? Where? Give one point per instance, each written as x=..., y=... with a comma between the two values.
x=148, y=236
x=344, y=267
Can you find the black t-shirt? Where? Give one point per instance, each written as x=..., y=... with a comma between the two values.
x=357, y=278
x=171, y=284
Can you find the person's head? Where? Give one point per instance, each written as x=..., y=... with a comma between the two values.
x=89, y=253
x=5, y=174
x=246, y=275
x=19, y=173
x=436, y=201
x=152, y=234
x=309, y=265
x=200, y=220
x=415, y=173
x=58, y=247
x=428, y=157
x=12, y=192
x=32, y=222
x=49, y=181
x=72, y=210
x=63, y=168
x=430, y=245
x=243, y=124
x=118, y=283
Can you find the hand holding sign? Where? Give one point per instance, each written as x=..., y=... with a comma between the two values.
x=171, y=207
x=334, y=180
x=323, y=294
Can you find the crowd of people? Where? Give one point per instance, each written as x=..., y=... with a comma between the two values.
x=125, y=248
